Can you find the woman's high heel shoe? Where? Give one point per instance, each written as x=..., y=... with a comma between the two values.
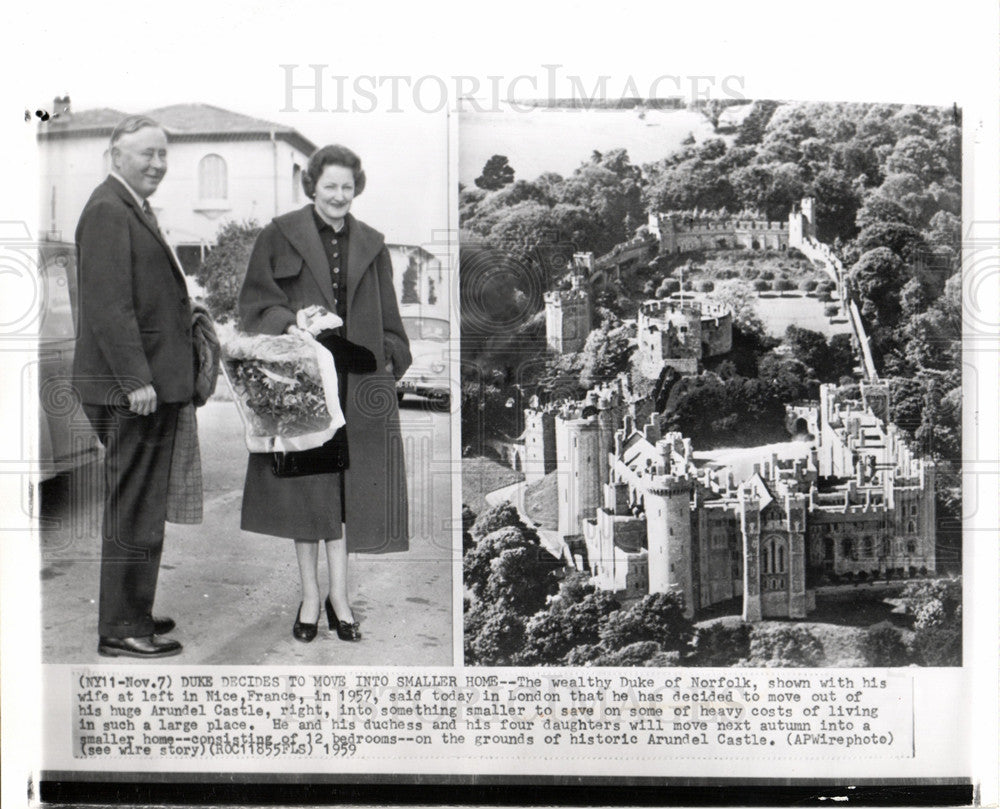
x=345, y=631
x=301, y=631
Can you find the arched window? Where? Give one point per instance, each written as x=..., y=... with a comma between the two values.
x=212, y=178
x=774, y=555
x=847, y=548
x=867, y=547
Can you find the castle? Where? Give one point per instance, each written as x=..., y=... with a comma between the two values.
x=640, y=511
x=654, y=519
x=680, y=333
x=569, y=314
x=678, y=232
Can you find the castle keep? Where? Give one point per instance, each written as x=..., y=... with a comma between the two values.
x=680, y=333
x=858, y=504
x=568, y=316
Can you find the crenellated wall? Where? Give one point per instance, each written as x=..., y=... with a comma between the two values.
x=679, y=232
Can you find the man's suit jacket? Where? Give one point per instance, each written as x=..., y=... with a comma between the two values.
x=135, y=316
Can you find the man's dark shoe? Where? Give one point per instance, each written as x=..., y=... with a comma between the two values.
x=146, y=647
x=161, y=626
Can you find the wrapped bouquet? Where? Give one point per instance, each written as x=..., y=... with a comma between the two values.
x=285, y=388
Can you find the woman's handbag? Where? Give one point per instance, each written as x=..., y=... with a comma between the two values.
x=332, y=456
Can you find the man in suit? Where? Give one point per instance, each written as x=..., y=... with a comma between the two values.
x=134, y=370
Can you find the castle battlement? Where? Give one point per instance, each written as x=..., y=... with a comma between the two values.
x=680, y=333
x=560, y=297
x=568, y=312
x=704, y=310
x=683, y=231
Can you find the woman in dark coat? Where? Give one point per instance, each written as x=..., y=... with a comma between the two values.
x=321, y=255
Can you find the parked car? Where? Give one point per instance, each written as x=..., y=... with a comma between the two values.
x=429, y=335
x=66, y=440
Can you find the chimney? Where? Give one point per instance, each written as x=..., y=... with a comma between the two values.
x=61, y=107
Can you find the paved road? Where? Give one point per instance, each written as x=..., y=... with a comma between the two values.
x=514, y=494
x=235, y=594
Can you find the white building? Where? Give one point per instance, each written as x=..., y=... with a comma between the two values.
x=221, y=166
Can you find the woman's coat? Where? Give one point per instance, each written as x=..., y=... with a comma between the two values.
x=288, y=271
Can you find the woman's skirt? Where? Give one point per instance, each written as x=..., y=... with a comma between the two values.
x=306, y=507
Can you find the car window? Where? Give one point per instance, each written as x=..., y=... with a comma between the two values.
x=426, y=328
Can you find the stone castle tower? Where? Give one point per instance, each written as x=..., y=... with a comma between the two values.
x=802, y=222
x=668, y=531
x=585, y=435
x=568, y=316
x=539, y=443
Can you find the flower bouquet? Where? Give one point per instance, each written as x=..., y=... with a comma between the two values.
x=285, y=388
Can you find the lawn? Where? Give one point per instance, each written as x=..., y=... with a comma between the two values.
x=839, y=622
x=541, y=501
x=481, y=476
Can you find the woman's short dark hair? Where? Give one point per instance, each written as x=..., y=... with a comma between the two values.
x=335, y=155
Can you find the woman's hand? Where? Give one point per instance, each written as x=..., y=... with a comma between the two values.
x=295, y=331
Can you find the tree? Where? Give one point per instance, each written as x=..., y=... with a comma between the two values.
x=477, y=563
x=945, y=229
x=742, y=301
x=522, y=578
x=572, y=619
x=877, y=209
x=808, y=346
x=932, y=341
x=720, y=644
x=712, y=109
x=786, y=378
x=905, y=241
x=697, y=182
x=785, y=646
x=493, y=635
x=878, y=277
x=609, y=190
x=936, y=607
x=754, y=123
x=502, y=515
x=223, y=270
x=917, y=155
x=883, y=646
x=605, y=355
x=836, y=205
x=657, y=617
x=910, y=192
x=667, y=287
x=497, y=173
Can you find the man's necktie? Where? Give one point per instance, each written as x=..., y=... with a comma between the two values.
x=149, y=214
